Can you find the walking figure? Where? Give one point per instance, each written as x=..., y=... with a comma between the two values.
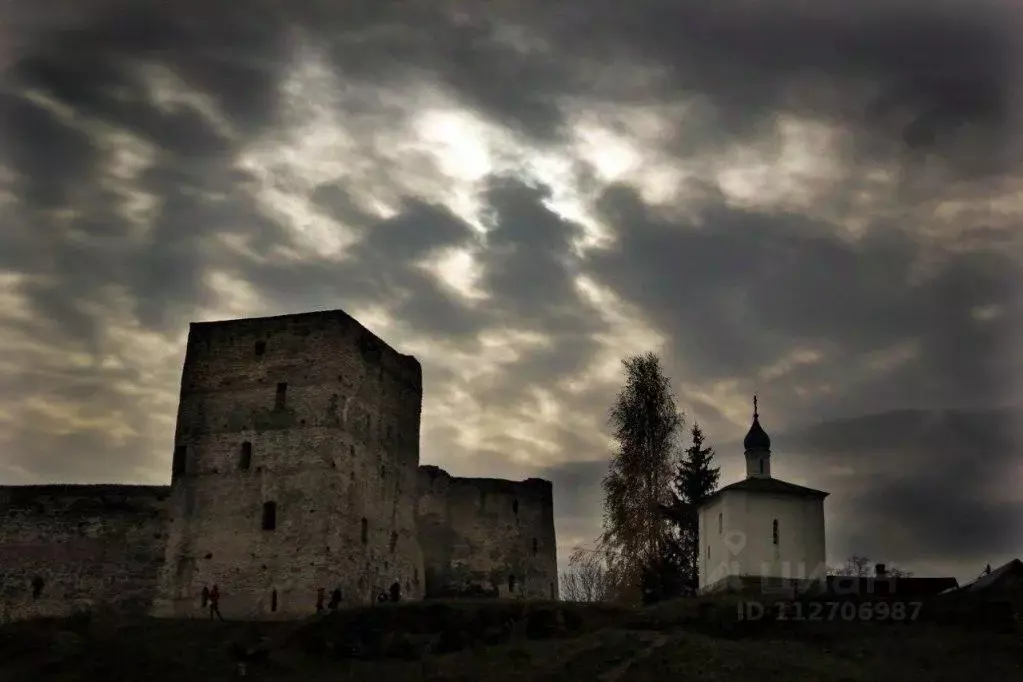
x=396, y=591
x=205, y=596
x=319, y=600
x=215, y=603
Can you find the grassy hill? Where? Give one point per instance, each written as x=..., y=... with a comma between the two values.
x=693, y=640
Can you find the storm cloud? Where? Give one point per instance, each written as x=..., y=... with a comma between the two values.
x=812, y=202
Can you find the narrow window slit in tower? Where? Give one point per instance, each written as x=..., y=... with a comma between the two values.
x=245, y=458
x=269, y=516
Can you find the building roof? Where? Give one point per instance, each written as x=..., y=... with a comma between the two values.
x=769, y=485
x=994, y=577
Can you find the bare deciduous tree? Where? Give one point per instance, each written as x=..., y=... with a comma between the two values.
x=861, y=567
x=588, y=578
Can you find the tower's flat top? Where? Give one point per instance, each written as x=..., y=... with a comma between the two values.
x=308, y=314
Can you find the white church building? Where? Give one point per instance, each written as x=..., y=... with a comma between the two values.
x=761, y=530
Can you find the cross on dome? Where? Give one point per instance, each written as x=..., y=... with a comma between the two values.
x=756, y=438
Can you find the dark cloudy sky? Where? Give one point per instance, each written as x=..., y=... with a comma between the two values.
x=803, y=200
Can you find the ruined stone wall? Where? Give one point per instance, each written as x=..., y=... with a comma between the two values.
x=483, y=536
x=93, y=546
x=314, y=415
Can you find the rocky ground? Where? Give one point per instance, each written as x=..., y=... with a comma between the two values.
x=693, y=640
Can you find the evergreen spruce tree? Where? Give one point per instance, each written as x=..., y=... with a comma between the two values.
x=695, y=481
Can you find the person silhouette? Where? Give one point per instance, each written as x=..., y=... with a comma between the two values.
x=215, y=603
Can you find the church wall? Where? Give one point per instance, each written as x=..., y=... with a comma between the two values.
x=92, y=546
x=485, y=536
x=313, y=415
x=714, y=554
x=746, y=544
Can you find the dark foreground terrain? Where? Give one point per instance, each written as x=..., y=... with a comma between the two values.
x=692, y=640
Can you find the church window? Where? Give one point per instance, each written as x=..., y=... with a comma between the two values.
x=761, y=466
x=269, y=516
x=721, y=523
x=515, y=507
x=281, y=397
x=260, y=348
x=245, y=460
x=774, y=531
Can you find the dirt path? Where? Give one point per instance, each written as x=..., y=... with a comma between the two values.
x=616, y=673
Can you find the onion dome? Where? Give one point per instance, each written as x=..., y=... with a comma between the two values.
x=756, y=438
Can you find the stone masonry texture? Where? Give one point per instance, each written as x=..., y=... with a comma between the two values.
x=486, y=536
x=295, y=468
x=86, y=546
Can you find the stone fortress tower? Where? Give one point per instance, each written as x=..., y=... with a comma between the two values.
x=295, y=466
